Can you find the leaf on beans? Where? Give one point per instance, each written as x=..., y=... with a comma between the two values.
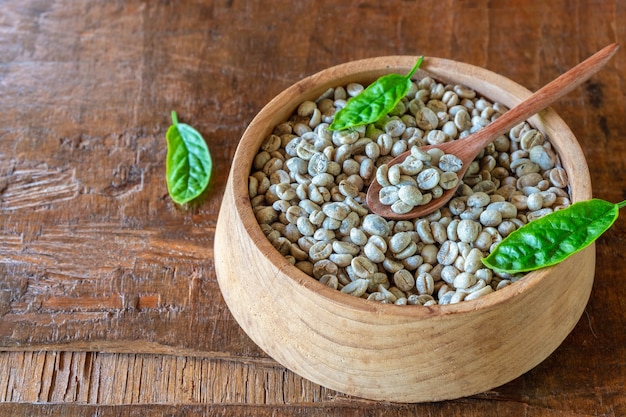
x=553, y=238
x=378, y=99
x=188, y=164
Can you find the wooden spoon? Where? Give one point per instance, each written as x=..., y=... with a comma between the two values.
x=468, y=148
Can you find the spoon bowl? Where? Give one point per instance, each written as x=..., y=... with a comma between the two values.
x=384, y=351
x=468, y=148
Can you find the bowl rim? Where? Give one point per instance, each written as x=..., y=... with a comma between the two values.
x=369, y=69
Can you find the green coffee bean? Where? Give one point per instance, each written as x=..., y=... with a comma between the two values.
x=307, y=190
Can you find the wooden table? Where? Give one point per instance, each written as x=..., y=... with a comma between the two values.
x=108, y=293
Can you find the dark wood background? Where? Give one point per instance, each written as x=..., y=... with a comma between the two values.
x=108, y=293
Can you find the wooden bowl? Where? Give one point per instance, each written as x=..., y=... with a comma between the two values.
x=388, y=352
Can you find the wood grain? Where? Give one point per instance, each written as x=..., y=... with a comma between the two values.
x=294, y=410
x=144, y=384
x=100, y=270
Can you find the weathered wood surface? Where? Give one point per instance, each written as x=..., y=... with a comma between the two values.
x=107, y=288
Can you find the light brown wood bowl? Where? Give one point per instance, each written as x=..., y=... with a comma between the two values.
x=387, y=352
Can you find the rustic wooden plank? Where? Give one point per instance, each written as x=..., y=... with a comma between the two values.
x=85, y=377
x=133, y=379
x=95, y=257
x=342, y=408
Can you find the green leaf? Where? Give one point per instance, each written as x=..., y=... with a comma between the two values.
x=188, y=164
x=553, y=238
x=378, y=99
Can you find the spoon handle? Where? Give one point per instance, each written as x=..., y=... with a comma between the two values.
x=545, y=96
